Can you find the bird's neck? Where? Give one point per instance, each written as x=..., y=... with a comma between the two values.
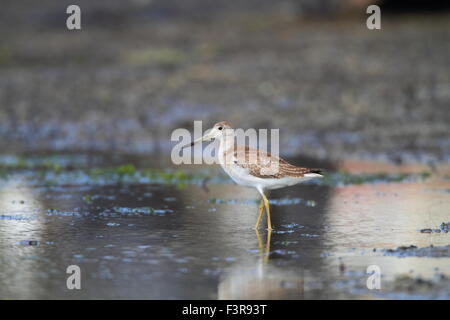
x=226, y=143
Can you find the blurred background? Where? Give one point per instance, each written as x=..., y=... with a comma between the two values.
x=86, y=118
x=139, y=69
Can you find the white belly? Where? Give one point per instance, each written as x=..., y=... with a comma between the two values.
x=243, y=178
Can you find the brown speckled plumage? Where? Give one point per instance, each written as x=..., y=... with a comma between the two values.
x=258, y=164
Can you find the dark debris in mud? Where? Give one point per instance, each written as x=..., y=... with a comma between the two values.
x=416, y=286
x=443, y=228
x=413, y=251
x=28, y=242
x=402, y=286
x=408, y=283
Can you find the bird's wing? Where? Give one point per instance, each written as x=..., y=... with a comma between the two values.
x=264, y=165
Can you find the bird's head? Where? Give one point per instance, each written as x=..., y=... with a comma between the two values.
x=219, y=130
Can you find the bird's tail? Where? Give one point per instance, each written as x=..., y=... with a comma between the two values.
x=314, y=173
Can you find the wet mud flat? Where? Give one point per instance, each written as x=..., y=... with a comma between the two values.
x=139, y=230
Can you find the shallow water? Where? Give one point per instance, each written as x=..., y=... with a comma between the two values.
x=169, y=241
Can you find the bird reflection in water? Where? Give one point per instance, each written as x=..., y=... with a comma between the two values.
x=261, y=279
x=263, y=252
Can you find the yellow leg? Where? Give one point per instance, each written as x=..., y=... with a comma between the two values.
x=261, y=207
x=266, y=203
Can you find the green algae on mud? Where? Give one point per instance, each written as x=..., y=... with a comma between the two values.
x=126, y=174
x=53, y=173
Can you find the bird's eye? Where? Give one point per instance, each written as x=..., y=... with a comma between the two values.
x=220, y=128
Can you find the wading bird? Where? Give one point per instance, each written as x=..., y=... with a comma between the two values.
x=253, y=167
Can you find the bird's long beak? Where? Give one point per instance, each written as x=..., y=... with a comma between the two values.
x=206, y=137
